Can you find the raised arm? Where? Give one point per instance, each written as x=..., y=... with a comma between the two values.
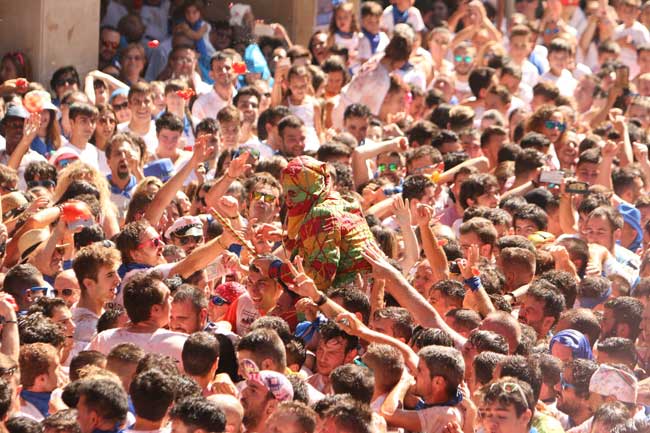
x=353, y=326
x=433, y=251
x=406, y=295
x=236, y=169
x=411, y=247
x=168, y=191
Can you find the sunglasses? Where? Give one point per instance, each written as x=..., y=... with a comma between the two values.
x=383, y=167
x=35, y=290
x=188, y=239
x=109, y=44
x=155, y=242
x=551, y=31
x=460, y=59
x=66, y=81
x=252, y=152
x=219, y=301
x=510, y=387
x=122, y=106
x=553, y=124
x=268, y=198
x=63, y=162
x=8, y=188
x=46, y=183
x=63, y=292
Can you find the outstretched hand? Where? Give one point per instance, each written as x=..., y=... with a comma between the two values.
x=381, y=267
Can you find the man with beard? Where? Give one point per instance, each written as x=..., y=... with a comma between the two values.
x=247, y=101
x=119, y=151
x=573, y=390
x=264, y=391
x=109, y=42
x=622, y=318
x=541, y=307
x=209, y=104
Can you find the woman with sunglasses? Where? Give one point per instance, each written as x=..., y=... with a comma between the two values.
x=106, y=127
x=551, y=122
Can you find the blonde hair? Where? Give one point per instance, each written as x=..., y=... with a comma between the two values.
x=79, y=170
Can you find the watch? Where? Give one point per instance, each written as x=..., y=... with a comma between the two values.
x=4, y=321
x=321, y=301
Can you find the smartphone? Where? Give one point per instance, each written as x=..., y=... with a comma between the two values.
x=263, y=30
x=577, y=187
x=551, y=176
x=454, y=268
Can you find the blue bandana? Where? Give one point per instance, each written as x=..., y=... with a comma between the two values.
x=374, y=40
x=127, y=189
x=400, y=17
x=40, y=400
x=453, y=402
x=125, y=268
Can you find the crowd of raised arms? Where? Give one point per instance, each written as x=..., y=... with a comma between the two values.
x=432, y=216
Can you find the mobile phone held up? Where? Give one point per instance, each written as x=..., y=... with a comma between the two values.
x=577, y=187
x=551, y=176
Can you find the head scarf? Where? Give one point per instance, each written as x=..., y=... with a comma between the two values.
x=312, y=178
x=576, y=341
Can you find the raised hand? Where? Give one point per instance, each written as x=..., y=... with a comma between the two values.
x=238, y=166
x=423, y=215
x=31, y=126
x=381, y=268
x=308, y=308
x=469, y=265
x=401, y=210
x=349, y=323
x=304, y=284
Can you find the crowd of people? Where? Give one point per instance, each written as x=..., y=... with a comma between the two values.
x=433, y=216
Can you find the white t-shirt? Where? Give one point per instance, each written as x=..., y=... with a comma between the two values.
x=365, y=50
x=89, y=154
x=414, y=19
x=376, y=78
x=150, y=138
x=640, y=35
x=434, y=419
x=209, y=105
x=85, y=322
x=565, y=82
x=166, y=429
x=29, y=157
x=161, y=341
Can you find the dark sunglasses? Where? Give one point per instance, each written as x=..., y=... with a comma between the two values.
x=63, y=292
x=219, y=301
x=66, y=81
x=122, y=106
x=187, y=239
x=46, y=183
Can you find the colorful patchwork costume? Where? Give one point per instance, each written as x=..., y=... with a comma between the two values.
x=324, y=229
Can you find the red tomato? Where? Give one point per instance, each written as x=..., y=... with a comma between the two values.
x=153, y=43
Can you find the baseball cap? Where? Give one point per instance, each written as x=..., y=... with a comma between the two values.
x=185, y=226
x=163, y=169
x=63, y=154
x=118, y=92
x=16, y=110
x=608, y=380
x=632, y=217
x=230, y=291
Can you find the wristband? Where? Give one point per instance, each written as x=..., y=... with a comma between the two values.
x=473, y=283
x=321, y=301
